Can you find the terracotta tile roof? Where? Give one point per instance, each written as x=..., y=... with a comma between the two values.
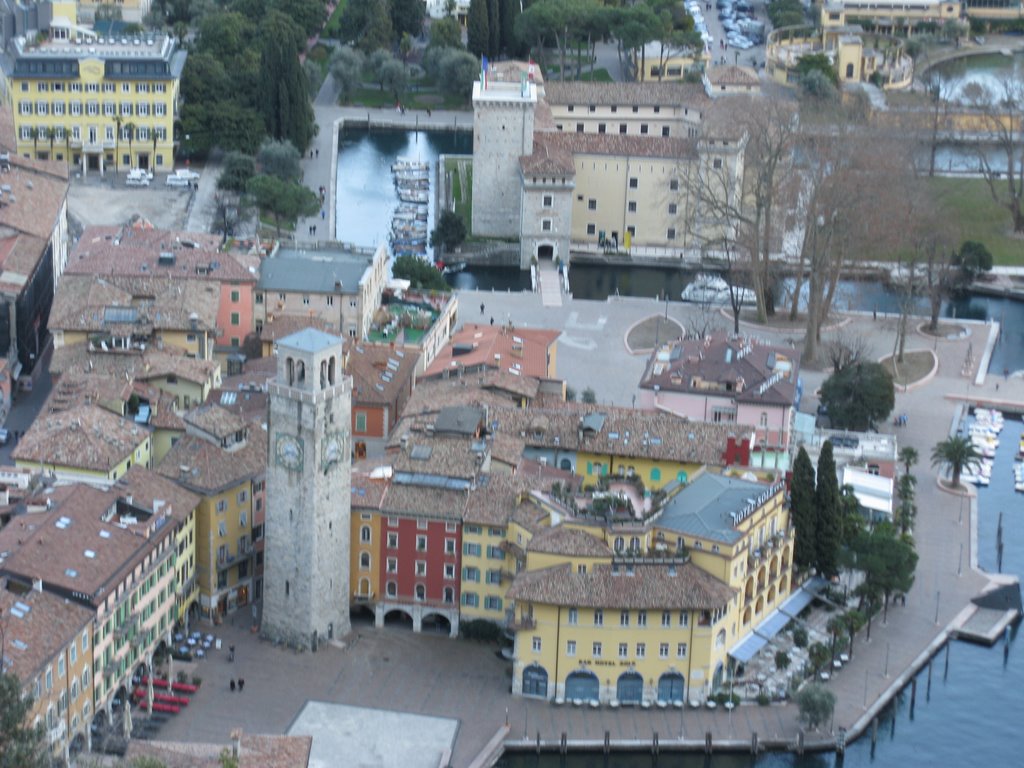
x=495, y=499
x=620, y=432
x=752, y=371
x=148, y=488
x=649, y=586
x=732, y=75
x=550, y=157
x=578, y=92
x=421, y=501
x=214, y=420
x=531, y=517
x=570, y=144
x=452, y=457
x=205, y=468
x=19, y=257
x=88, y=437
x=433, y=395
x=278, y=326
x=71, y=392
x=134, y=364
x=133, y=305
x=133, y=251
x=36, y=198
x=34, y=637
x=164, y=416
x=255, y=752
x=476, y=345
x=571, y=542
x=71, y=548
x=248, y=403
x=367, y=491
x=379, y=373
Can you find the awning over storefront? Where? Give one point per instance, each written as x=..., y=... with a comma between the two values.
x=775, y=621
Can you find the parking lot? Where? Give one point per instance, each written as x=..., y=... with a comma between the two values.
x=109, y=200
x=734, y=31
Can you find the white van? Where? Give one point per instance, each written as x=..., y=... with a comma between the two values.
x=183, y=177
x=137, y=177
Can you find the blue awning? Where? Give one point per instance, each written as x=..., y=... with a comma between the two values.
x=776, y=621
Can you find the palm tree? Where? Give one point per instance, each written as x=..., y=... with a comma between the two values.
x=117, y=142
x=130, y=128
x=908, y=457
x=957, y=453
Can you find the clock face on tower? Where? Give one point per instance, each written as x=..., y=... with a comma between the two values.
x=333, y=450
x=288, y=450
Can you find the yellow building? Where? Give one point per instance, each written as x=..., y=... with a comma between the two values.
x=365, y=547
x=48, y=648
x=884, y=63
x=223, y=459
x=91, y=101
x=85, y=443
x=649, y=611
x=125, y=577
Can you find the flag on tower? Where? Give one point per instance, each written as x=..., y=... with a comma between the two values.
x=483, y=71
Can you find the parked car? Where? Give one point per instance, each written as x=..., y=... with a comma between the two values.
x=183, y=177
x=137, y=177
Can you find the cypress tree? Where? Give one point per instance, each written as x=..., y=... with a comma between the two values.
x=494, y=28
x=284, y=92
x=828, y=528
x=478, y=30
x=801, y=510
x=510, y=10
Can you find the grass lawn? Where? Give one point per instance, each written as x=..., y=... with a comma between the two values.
x=969, y=205
x=421, y=100
x=599, y=76
x=461, y=173
x=915, y=366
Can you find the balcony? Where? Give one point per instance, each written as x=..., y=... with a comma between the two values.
x=128, y=629
x=56, y=733
x=227, y=560
x=523, y=622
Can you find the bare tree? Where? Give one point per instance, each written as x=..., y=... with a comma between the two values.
x=1000, y=116
x=740, y=203
x=846, y=347
x=940, y=92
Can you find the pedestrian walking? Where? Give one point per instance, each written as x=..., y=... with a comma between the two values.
x=241, y=685
x=318, y=152
x=481, y=307
x=232, y=685
x=323, y=213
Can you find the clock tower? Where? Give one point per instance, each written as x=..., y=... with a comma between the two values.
x=306, y=565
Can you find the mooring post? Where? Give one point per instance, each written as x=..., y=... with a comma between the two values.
x=708, y=746
x=874, y=731
x=928, y=691
x=607, y=742
x=753, y=743
x=538, y=742
x=800, y=742
x=913, y=696
x=945, y=672
x=841, y=742
x=654, y=747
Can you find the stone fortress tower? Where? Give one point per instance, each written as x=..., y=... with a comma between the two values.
x=504, y=103
x=306, y=569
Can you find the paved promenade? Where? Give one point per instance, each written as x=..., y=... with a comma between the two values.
x=430, y=675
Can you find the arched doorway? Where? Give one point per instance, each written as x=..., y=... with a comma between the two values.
x=716, y=681
x=397, y=618
x=435, y=622
x=671, y=687
x=630, y=688
x=545, y=252
x=535, y=681
x=582, y=685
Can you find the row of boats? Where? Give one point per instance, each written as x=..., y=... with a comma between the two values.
x=409, y=220
x=984, y=434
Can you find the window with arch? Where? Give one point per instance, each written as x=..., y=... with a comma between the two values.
x=421, y=592
x=720, y=638
x=365, y=534
x=620, y=543
x=449, y=595
x=392, y=589
x=655, y=475
x=764, y=419
x=364, y=561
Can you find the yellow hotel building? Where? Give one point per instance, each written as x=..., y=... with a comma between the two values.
x=651, y=612
x=92, y=101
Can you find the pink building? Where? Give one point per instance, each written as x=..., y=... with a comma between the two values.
x=729, y=380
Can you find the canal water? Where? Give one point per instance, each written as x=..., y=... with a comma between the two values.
x=365, y=194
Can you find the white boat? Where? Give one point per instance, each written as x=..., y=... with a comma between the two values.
x=408, y=164
x=413, y=196
x=712, y=289
x=975, y=478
